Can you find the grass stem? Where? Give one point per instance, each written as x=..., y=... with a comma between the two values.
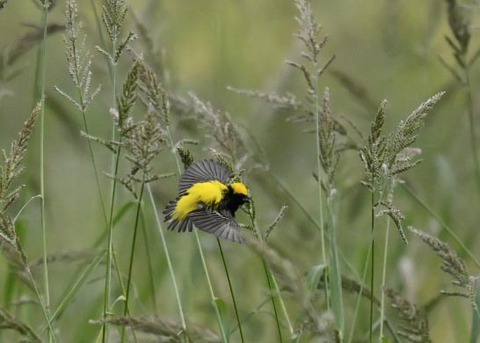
x=41, y=87
x=372, y=264
x=472, y=127
x=232, y=293
x=210, y=288
x=271, y=287
x=126, y=310
x=384, y=278
x=271, y=280
x=168, y=259
x=319, y=180
x=115, y=168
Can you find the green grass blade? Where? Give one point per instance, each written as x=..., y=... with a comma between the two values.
x=313, y=277
x=72, y=291
x=223, y=312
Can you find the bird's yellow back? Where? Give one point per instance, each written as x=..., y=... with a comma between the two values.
x=208, y=193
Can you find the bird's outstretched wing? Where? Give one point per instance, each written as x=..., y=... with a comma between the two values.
x=184, y=225
x=202, y=171
x=220, y=223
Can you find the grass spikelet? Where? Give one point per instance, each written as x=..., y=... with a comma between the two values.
x=373, y=155
x=353, y=286
x=328, y=155
x=79, y=60
x=358, y=90
x=287, y=101
x=407, y=132
x=415, y=328
x=7, y=321
x=459, y=20
x=64, y=257
x=143, y=142
x=452, y=264
x=397, y=217
x=155, y=93
x=309, y=31
x=185, y=156
x=385, y=156
x=166, y=328
x=221, y=128
x=11, y=169
x=284, y=269
x=113, y=15
x=309, y=35
x=127, y=99
x=319, y=329
x=124, y=123
x=473, y=293
x=9, y=172
x=23, y=44
x=273, y=224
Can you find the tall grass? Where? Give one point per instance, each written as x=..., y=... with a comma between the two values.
x=321, y=261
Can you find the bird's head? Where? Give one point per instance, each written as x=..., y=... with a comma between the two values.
x=239, y=188
x=240, y=191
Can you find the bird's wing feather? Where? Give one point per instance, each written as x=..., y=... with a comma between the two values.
x=220, y=223
x=202, y=171
x=183, y=225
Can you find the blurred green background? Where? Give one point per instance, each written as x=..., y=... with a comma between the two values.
x=388, y=49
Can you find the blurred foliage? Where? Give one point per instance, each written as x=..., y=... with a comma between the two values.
x=384, y=50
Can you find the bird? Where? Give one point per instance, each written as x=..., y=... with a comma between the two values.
x=208, y=199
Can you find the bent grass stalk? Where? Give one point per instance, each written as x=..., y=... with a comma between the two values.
x=168, y=259
x=45, y=311
x=76, y=286
x=443, y=224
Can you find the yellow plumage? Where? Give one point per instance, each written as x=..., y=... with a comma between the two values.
x=239, y=188
x=207, y=199
x=209, y=193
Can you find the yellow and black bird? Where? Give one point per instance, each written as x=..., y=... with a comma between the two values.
x=207, y=199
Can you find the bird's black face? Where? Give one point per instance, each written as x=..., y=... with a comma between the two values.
x=244, y=199
x=233, y=201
